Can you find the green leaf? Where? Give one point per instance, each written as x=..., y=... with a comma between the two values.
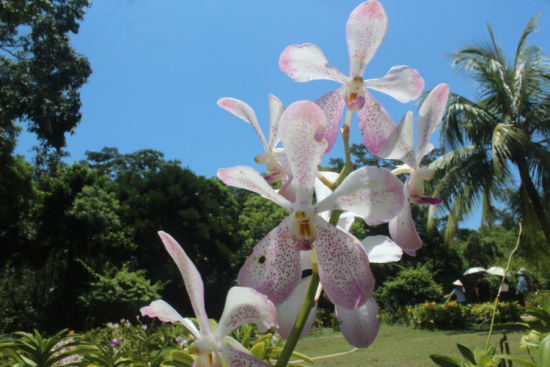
x=181, y=359
x=483, y=359
x=544, y=351
x=546, y=305
x=466, y=353
x=518, y=360
x=445, y=361
x=258, y=350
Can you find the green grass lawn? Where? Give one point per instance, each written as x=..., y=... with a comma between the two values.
x=404, y=346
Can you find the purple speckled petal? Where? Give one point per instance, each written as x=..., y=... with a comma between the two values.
x=276, y=109
x=248, y=178
x=400, y=143
x=401, y=82
x=381, y=249
x=245, y=305
x=403, y=231
x=375, y=123
x=359, y=326
x=307, y=62
x=427, y=200
x=372, y=193
x=273, y=268
x=343, y=266
x=245, y=112
x=288, y=310
x=191, y=278
x=365, y=30
x=429, y=117
x=236, y=358
x=332, y=105
x=303, y=126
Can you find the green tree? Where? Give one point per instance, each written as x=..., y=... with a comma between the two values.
x=40, y=73
x=503, y=134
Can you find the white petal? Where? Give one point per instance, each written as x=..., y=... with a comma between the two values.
x=375, y=123
x=321, y=190
x=372, y=193
x=248, y=178
x=276, y=109
x=400, y=143
x=403, y=231
x=381, y=249
x=191, y=278
x=287, y=312
x=429, y=117
x=245, y=305
x=401, y=82
x=245, y=112
x=237, y=358
x=359, y=326
x=307, y=62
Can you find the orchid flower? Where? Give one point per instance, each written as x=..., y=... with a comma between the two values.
x=243, y=305
x=272, y=158
x=372, y=193
x=365, y=30
x=400, y=145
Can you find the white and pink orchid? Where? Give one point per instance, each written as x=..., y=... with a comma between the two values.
x=400, y=145
x=272, y=157
x=371, y=193
x=365, y=30
x=243, y=305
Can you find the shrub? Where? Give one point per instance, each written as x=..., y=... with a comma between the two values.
x=411, y=286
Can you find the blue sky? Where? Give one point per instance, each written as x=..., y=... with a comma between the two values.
x=160, y=66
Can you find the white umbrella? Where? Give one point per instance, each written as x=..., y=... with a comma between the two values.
x=474, y=270
x=496, y=270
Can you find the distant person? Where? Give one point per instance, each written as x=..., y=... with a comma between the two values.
x=524, y=286
x=458, y=292
x=482, y=289
x=504, y=290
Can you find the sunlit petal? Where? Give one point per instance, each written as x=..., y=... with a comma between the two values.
x=343, y=266
x=372, y=193
x=403, y=231
x=288, y=310
x=429, y=117
x=401, y=82
x=246, y=305
x=307, y=62
x=400, y=143
x=303, y=127
x=381, y=249
x=164, y=312
x=248, y=178
x=332, y=105
x=191, y=278
x=359, y=326
x=276, y=109
x=365, y=30
x=375, y=123
x=273, y=268
x=245, y=112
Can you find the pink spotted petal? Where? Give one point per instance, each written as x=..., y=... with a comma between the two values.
x=288, y=310
x=381, y=249
x=245, y=305
x=375, y=123
x=403, y=231
x=401, y=82
x=427, y=200
x=429, y=117
x=276, y=109
x=343, y=266
x=359, y=326
x=372, y=193
x=164, y=312
x=400, y=143
x=307, y=62
x=191, y=278
x=332, y=105
x=273, y=268
x=303, y=126
x=237, y=358
x=245, y=112
x=365, y=31
x=245, y=177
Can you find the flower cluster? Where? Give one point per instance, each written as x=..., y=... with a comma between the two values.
x=322, y=205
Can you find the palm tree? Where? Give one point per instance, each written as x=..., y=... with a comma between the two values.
x=502, y=136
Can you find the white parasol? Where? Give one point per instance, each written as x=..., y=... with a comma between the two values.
x=474, y=270
x=496, y=270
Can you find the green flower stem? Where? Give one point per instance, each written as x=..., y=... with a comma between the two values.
x=309, y=300
x=502, y=282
